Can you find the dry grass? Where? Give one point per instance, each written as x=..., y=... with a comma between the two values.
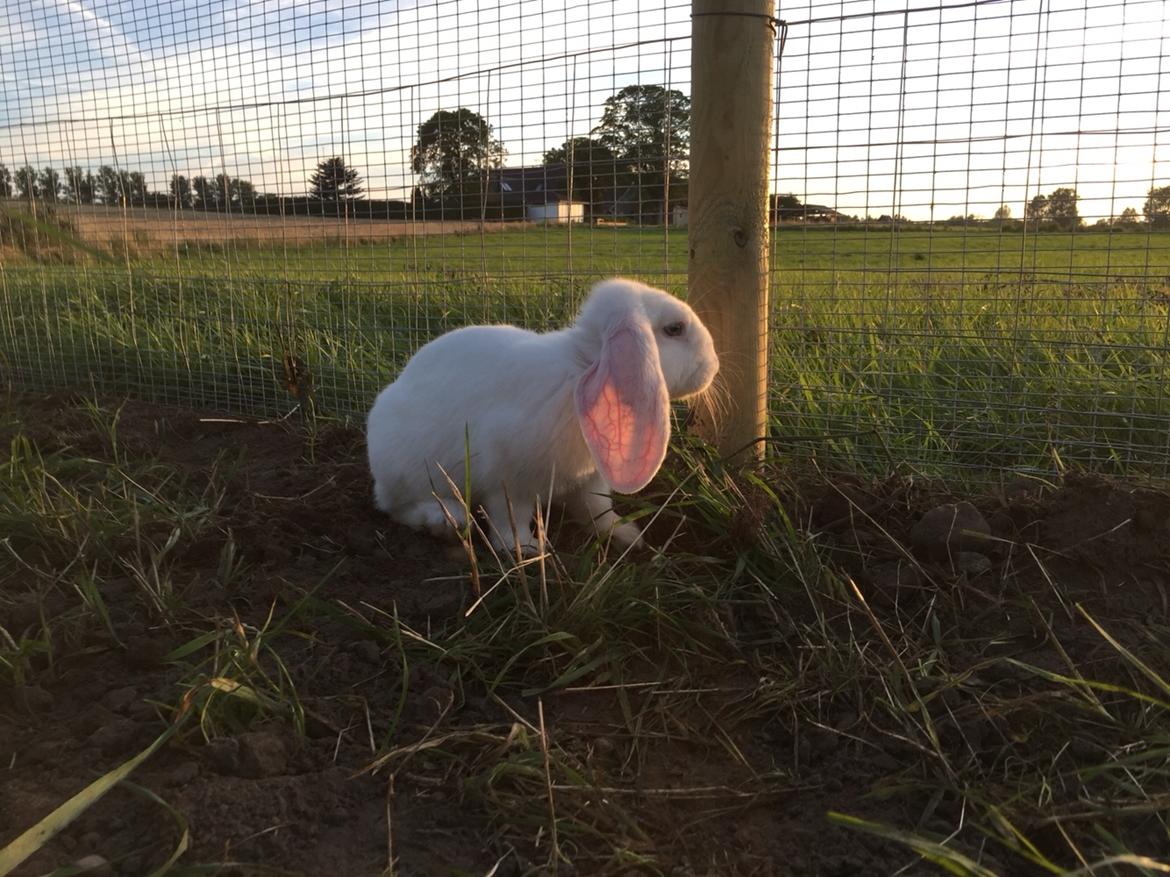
x=149, y=229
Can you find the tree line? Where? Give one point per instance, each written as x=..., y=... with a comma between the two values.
x=637, y=152
x=639, y=146
x=331, y=183
x=1058, y=211
x=116, y=188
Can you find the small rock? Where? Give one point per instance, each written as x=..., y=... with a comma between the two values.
x=33, y=698
x=224, y=755
x=90, y=840
x=114, y=738
x=367, y=650
x=947, y=529
x=262, y=754
x=887, y=580
x=94, y=865
x=604, y=745
x=972, y=563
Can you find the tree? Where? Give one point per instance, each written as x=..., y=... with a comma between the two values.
x=204, y=191
x=180, y=191
x=1004, y=213
x=453, y=152
x=1157, y=207
x=223, y=191
x=785, y=206
x=335, y=182
x=80, y=185
x=243, y=194
x=48, y=184
x=26, y=182
x=1059, y=209
x=111, y=186
x=593, y=166
x=134, y=184
x=5, y=182
x=1037, y=209
x=648, y=128
x=1062, y=209
x=1129, y=217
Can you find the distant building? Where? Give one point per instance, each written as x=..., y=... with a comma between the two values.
x=557, y=212
x=805, y=213
x=541, y=193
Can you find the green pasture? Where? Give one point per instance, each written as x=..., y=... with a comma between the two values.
x=944, y=349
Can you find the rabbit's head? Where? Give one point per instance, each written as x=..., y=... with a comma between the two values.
x=644, y=348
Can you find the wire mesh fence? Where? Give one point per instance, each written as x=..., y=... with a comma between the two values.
x=975, y=272
x=254, y=207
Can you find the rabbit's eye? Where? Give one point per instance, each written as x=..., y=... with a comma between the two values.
x=673, y=330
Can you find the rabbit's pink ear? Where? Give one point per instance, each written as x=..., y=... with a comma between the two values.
x=624, y=408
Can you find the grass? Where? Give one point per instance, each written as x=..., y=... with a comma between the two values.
x=948, y=350
x=726, y=653
x=745, y=651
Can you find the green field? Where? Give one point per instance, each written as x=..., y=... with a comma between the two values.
x=938, y=349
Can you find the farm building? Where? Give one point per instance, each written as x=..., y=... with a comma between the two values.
x=600, y=191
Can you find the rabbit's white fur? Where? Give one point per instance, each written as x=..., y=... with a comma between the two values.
x=542, y=415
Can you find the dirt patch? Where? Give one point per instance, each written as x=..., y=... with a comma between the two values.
x=731, y=779
x=149, y=229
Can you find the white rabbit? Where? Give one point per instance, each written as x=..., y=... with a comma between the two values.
x=569, y=414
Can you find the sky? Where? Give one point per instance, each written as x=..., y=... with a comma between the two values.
x=924, y=108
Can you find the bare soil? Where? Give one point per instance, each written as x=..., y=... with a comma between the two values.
x=148, y=228
x=299, y=510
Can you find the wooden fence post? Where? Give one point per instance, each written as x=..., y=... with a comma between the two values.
x=732, y=42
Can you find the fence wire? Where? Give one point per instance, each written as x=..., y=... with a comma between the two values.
x=264, y=207
x=976, y=274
